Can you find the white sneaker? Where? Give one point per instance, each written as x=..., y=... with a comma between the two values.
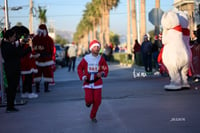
x=32, y=95
x=172, y=87
x=196, y=80
x=52, y=83
x=185, y=85
x=24, y=95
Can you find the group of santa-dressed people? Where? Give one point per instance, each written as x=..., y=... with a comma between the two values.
x=32, y=58
x=29, y=57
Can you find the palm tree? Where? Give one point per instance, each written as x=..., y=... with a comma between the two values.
x=157, y=3
x=83, y=30
x=134, y=27
x=128, y=27
x=93, y=15
x=157, y=28
x=142, y=20
x=42, y=15
x=107, y=5
x=99, y=18
x=89, y=13
x=31, y=16
x=88, y=27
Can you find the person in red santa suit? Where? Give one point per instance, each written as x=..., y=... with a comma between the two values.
x=162, y=68
x=53, y=67
x=28, y=68
x=91, y=70
x=44, y=45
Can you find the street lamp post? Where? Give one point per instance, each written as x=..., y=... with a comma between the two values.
x=6, y=15
x=31, y=17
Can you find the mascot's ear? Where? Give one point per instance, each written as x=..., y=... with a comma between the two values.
x=169, y=20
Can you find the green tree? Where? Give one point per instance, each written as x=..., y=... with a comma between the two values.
x=95, y=19
x=60, y=40
x=151, y=34
x=114, y=39
x=42, y=15
x=19, y=24
x=106, y=6
x=92, y=13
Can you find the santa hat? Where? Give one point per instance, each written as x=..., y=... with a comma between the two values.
x=155, y=37
x=160, y=36
x=93, y=44
x=146, y=36
x=42, y=30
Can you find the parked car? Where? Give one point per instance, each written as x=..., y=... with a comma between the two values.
x=60, y=55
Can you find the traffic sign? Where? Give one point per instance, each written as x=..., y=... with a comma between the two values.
x=155, y=16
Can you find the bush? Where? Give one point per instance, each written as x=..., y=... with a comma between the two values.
x=123, y=58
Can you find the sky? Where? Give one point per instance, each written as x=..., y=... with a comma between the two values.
x=66, y=14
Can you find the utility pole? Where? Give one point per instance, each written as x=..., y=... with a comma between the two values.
x=6, y=15
x=31, y=17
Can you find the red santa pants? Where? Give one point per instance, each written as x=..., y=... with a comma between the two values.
x=93, y=96
x=47, y=73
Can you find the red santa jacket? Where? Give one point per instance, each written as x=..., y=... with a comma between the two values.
x=28, y=65
x=196, y=59
x=54, y=54
x=89, y=67
x=43, y=45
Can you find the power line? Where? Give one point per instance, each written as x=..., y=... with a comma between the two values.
x=66, y=15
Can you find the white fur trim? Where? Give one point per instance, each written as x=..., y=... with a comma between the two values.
x=90, y=59
x=83, y=77
x=93, y=87
x=93, y=45
x=41, y=32
x=43, y=64
x=29, y=71
x=38, y=79
x=48, y=79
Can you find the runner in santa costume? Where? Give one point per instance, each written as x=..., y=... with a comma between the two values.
x=44, y=45
x=91, y=70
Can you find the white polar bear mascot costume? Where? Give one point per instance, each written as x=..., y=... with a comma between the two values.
x=184, y=22
x=175, y=54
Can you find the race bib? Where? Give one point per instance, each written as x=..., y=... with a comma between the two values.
x=93, y=68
